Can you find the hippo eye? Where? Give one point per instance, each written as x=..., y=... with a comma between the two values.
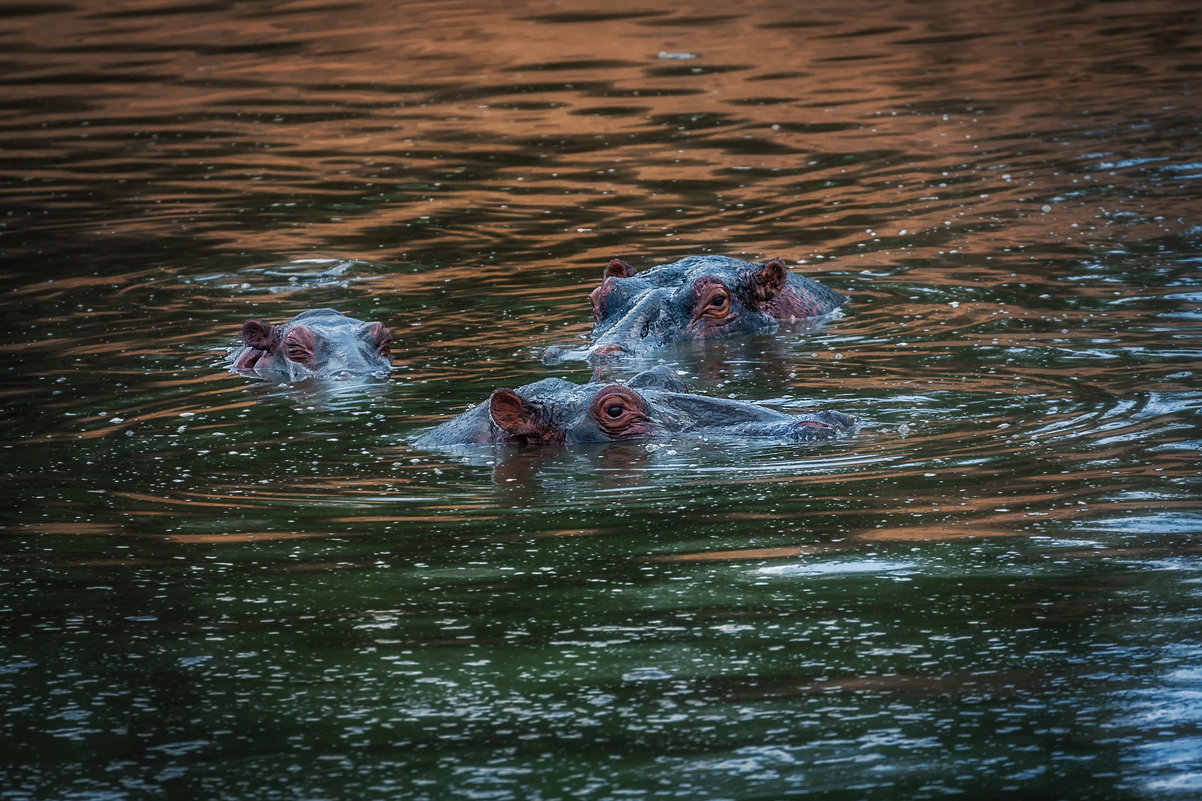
x=299, y=345
x=618, y=409
x=714, y=302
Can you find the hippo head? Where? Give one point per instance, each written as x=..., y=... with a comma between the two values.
x=699, y=297
x=654, y=405
x=319, y=343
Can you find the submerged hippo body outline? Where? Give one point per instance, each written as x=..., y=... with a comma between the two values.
x=697, y=297
x=655, y=404
x=317, y=343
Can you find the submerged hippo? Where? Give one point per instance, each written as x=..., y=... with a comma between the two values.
x=655, y=404
x=699, y=297
x=319, y=343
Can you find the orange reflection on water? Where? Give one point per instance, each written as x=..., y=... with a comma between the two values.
x=71, y=529
x=750, y=553
x=240, y=537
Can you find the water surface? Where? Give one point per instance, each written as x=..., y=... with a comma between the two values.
x=230, y=588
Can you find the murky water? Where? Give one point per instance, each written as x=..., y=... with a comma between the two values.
x=215, y=587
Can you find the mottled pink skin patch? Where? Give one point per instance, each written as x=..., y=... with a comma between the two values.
x=791, y=305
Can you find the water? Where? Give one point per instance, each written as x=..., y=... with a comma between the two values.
x=216, y=587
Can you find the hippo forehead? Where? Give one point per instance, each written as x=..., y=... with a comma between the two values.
x=694, y=267
x=568, y=403
x=559, y=395
x=558, y=391
x=681, y=275
x=325, y=320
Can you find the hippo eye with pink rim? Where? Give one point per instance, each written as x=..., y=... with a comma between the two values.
x=299, y=345
x=713, y=302
x=619, y=410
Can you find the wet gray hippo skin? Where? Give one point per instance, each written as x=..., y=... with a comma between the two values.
x=699, y=297
x=319, y=343
x=654, y=405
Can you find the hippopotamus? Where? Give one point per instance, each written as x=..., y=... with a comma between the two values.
x=319, y=343
x=655, y=404
x=698, y=297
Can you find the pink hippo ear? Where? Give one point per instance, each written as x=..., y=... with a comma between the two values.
x=767, y=280
x=523, y=422
x=511, y=413
x=299, y=343
x=381, y=339
x=618, y=269
x=259, y=335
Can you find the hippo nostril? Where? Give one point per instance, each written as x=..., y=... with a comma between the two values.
x=607, y=352
x=812, y=429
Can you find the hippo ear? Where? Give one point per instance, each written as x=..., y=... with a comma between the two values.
x=380, y=338
x=258, y=334
x=513, y=414
x=767, y=280
x=618, y=269
x=299, y=344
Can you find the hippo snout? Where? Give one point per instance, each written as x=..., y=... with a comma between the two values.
x=825, y=425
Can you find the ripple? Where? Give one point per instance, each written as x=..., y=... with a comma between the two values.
x=843, y=568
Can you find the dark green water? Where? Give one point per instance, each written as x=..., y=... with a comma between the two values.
x=212, y=587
